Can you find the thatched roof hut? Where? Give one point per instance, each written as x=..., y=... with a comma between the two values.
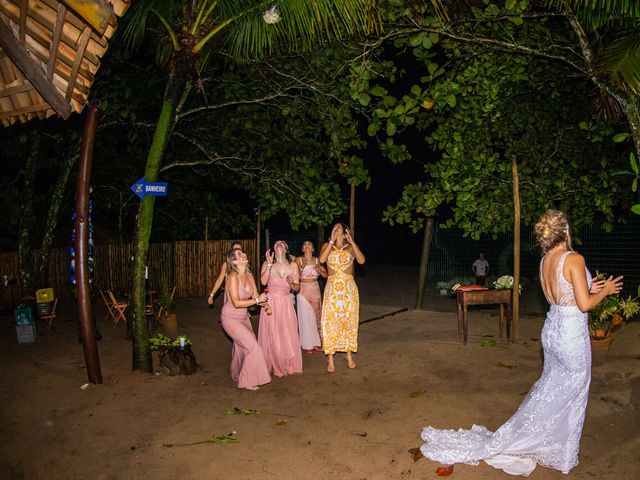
x=49, y=54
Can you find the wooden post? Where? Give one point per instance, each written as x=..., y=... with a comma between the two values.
x=207, y=266
x=83, y=297
x=515, y=331
x=257, y=252
x=424, y=260
x=352, y=211
x=319, y=238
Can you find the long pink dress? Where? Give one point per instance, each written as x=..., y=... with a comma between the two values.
x=309, y=309
x=248, y=366
x=278, y=332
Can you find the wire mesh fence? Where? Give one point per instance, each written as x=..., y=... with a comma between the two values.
x=616, y=252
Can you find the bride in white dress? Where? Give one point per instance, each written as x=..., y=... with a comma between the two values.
x=547, y=426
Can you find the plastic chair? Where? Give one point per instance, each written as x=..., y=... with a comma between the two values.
x=51, y=317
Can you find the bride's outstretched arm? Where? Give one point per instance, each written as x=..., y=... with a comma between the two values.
x=584, y=299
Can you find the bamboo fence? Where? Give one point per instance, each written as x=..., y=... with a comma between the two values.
x=192, y=266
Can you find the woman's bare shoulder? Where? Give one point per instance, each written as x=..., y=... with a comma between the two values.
x=575, y=260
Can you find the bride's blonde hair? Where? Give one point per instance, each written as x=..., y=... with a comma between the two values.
x=552, y=229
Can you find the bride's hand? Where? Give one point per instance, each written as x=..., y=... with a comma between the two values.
x=613, y=285
x=596, y=286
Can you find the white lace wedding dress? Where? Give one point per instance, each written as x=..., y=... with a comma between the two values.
x=547, y=426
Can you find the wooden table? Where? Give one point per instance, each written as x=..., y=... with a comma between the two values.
x=482, y=297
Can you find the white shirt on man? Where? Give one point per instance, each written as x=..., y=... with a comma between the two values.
x=481, y=267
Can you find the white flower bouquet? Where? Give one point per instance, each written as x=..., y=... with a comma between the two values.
x=505, y=282
x=272, y=15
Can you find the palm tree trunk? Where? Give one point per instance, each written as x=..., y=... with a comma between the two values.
x=26, y=218
x=631, y=106
x=178, y=88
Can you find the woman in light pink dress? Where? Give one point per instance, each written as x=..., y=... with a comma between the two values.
x=278, y=329
x=309, y=303
x=248, y=366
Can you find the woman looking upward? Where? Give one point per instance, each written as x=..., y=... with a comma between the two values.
x=278, y=329
x=341, y=304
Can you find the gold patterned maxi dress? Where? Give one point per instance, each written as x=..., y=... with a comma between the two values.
x=341, y=305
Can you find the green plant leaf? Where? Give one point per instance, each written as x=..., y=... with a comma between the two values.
x=620, y=137
x=391, y=128
x=364, y=99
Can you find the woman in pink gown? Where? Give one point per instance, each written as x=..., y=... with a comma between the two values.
x=248, y=366
x=309, y=302
x=278, y=329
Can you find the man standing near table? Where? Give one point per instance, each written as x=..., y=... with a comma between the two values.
x=480, y=269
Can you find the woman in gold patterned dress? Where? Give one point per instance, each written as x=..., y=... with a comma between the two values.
x=341, y=304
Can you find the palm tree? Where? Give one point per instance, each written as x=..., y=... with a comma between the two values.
x=244, y=29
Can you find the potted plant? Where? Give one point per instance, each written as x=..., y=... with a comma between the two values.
x=443, y=287
x=605, y=319
x=175, y=355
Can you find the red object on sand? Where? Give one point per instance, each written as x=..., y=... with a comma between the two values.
x=444, y=471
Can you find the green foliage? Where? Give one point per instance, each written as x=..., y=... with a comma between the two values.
x=478, y=107
x=448, y=285
x=163, y=343
x=635, y=172
x=603, y=318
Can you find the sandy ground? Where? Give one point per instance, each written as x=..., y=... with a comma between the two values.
x=353, y=424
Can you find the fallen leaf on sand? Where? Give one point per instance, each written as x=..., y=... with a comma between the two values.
x=359, y=434
x=228, y=438
x=416, y=394
x=241, y=411
x=415, y=454
x=505, y=365
x=84, y=387
x=488, y=342
x=280, y=421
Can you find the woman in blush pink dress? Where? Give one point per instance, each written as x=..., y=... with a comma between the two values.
x=248, y=366
x=309, y=303
x=278, y=330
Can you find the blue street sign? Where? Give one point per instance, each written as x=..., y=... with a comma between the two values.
x=142, y=188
